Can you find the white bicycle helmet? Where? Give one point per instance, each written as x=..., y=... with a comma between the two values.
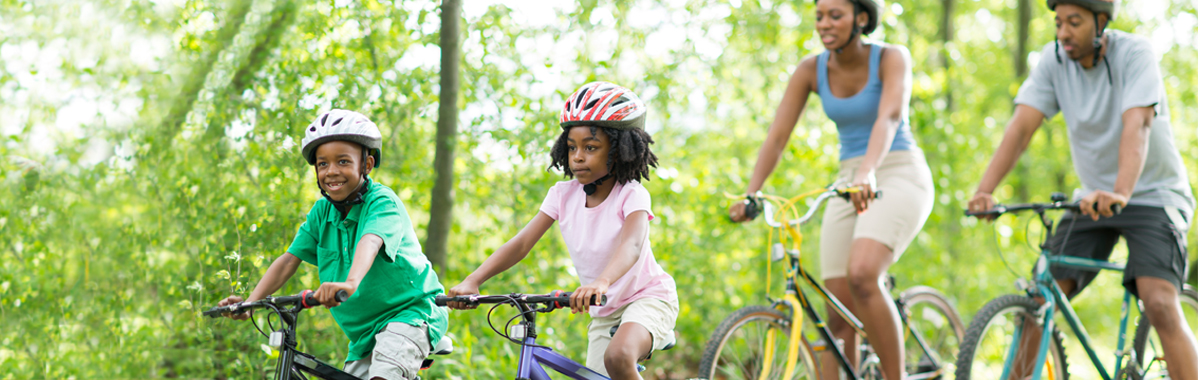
x=341, y=125
x=603, y=104
x=1109, y=7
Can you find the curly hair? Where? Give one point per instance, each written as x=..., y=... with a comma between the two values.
x=629, y=156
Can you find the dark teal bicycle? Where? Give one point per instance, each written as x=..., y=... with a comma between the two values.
x=994, y=348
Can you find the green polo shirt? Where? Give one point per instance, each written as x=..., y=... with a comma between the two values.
x=401, y=284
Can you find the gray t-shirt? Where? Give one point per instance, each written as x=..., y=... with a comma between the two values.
x=1092, y=109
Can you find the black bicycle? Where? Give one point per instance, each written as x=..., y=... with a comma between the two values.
x=293, y=364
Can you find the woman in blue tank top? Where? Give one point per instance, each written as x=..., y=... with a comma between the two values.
x=865, y=89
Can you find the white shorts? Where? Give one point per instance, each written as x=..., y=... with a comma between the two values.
x=656, y=315
x=893, y=219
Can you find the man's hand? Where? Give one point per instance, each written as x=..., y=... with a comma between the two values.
x=1099, y=203
x=326, y=293
x=581, y=297
x=230, y=301
x=464, y=288
x=982, y=202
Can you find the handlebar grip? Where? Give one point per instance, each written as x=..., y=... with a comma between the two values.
x=442, y=300
x=310, y=301
x=215, y=312
x=846, y=195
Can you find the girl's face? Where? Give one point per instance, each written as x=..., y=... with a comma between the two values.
x=587, y=153
x=835, y=22
x=339, y=168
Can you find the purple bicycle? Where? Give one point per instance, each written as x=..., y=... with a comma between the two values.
x=535, y=359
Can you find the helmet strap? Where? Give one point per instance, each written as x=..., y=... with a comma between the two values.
x=853, y=33
x=590, y=188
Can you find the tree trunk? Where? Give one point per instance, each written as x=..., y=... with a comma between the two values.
x=947, y=34
x=441, y=208
x=1021, y=69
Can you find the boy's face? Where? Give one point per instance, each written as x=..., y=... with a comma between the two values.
x=587, y=153
x=339, y=168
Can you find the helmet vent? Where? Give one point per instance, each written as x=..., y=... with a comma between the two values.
x=324, y=118
x=313, y=129
x=335, y=122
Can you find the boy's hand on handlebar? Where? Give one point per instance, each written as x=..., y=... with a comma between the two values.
x=230, y=301
x=465, y=288
x=981, y=202
x=326, y=294
x=581, y=297
x=1100, y=203
x=865, y=181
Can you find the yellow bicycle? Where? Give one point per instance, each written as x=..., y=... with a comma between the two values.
x=762, y=342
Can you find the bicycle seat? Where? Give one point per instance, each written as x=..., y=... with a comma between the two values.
x=443, y=347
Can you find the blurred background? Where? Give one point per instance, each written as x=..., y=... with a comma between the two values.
x=149, y=158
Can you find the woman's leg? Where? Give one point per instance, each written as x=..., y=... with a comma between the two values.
x=869, y=260
x=841, y=329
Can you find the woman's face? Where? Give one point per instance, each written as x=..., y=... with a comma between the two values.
x=835, y=22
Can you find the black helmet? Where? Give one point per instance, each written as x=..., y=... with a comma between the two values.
x=872, y=8
x=1108, y=7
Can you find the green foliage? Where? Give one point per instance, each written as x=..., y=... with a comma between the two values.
x=144, y=187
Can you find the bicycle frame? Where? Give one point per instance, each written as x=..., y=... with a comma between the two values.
x=797, y=300
x=1046, y=287
x=533, y=356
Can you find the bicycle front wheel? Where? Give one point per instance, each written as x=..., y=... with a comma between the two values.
x=1146, y=344
x=990, y=342
x=931, y=317
x=753, y=344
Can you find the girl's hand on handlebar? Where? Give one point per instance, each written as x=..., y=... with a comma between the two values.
x=465, y=288
x=230, y=301
x=865, y=181
x=326, y=293
x=581, y=297
x=737, y=212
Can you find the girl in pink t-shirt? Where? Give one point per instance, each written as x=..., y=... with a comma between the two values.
x=604, y=216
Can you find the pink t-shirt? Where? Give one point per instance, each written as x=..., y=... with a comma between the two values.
x=591, y=235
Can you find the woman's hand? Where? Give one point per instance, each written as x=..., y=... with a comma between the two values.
x=230, y=301
x=465, y=288
x=865, y=181
x=581, y=297
x=737, y=211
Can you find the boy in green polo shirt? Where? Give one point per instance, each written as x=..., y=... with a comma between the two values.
x=361, y=240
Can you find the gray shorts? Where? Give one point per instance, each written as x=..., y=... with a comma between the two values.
x=1156, y=237
x=399, y=350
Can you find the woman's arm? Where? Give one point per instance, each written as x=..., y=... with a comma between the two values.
x=629, y=250
x=896, y=74
x=509, y=254
x=795, y=97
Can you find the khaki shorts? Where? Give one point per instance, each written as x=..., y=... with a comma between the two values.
x=399, y=350
x=655, y=315
x=893, y=219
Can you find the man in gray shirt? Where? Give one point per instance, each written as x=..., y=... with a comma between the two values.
x=1111, y=95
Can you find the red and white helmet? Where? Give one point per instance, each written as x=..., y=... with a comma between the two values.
x=603, y=104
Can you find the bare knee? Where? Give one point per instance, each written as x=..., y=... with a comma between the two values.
x=1162, y=310
x=619, y=357
x=864, y=283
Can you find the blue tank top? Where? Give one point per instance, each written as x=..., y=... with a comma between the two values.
x=855, y=116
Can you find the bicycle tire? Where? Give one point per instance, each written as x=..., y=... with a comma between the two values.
x=974, y=363
x=723, y=359
x=1156, y=367
x=931, y=315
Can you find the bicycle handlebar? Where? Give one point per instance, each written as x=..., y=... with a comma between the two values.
x=562, y=299
x=843, y=192
x=1006, y=209
x=304, y=299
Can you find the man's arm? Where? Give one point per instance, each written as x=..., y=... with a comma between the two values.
x=1135, y=142
x=1020, y=129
